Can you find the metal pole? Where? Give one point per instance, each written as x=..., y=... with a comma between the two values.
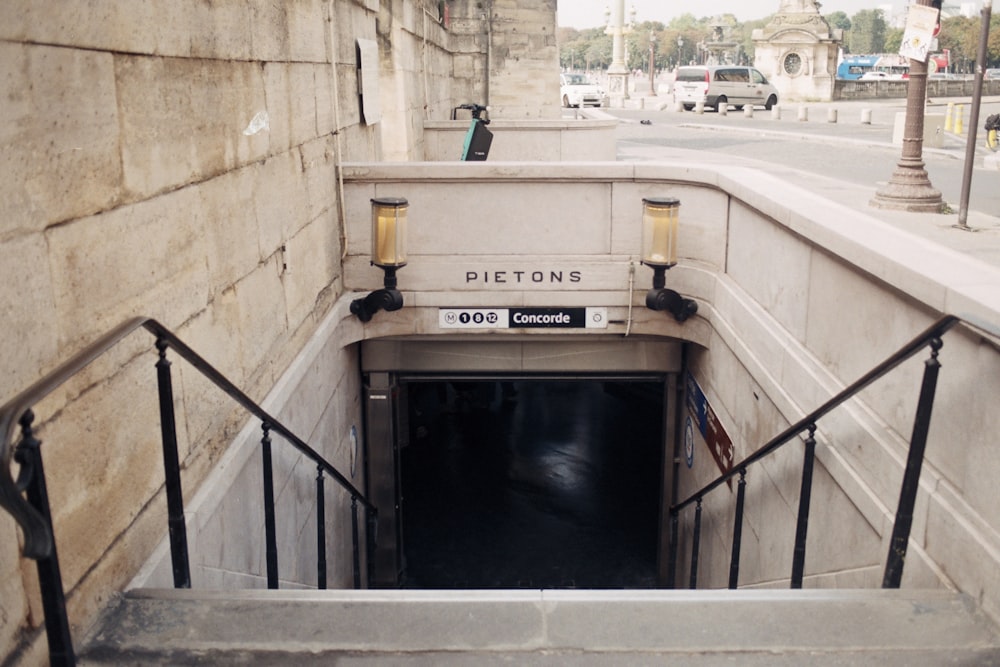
x=977, y=96
x=734, y=563
x=672, y=555
x=355, y=545
x=371, y=541
x=805, y=495
x=57, y=630
x=695, y=546
x=270, y=532
x=911, y=477
x=652, y=64
x=320, y=529
x=176, y=526
x=909, y=188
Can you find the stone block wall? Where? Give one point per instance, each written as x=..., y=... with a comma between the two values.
x=180, y=160
x=519, y=76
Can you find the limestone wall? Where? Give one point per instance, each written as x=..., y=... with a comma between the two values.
x=175, y=160
x=519, y=77
x=179, y=160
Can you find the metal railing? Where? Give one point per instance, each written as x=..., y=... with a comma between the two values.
x=26, y=499
x=931, y=337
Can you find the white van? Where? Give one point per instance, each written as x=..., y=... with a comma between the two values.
x=723, y=85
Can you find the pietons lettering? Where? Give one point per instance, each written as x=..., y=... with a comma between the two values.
x=523, y=277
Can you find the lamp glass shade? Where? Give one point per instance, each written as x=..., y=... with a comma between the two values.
x=389, y=231
x=659, y=230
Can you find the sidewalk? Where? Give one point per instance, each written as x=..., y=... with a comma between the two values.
x=981, y=243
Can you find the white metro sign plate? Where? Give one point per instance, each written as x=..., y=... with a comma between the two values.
x=523, y=318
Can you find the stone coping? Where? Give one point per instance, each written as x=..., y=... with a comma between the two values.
x=942, y=278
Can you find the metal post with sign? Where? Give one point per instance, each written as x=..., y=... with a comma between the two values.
x=909, y=188
x=977, y=96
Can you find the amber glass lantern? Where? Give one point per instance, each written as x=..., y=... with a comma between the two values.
x=659, y=231
x=389, y=231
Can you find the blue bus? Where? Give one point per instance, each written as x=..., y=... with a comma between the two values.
x=852, y=68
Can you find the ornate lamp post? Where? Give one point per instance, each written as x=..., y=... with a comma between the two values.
x=909, y=188
x=617, y=71
x=680, y=47
x=652, y=64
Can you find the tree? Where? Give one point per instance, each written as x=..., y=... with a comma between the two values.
x=840, y=20
x=893, y=40
x=867, y=33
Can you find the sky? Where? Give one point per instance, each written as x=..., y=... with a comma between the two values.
x=590, y=13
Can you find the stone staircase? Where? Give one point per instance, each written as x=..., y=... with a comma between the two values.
x=704, y=628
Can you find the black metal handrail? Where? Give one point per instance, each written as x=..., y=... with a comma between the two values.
x=894, y=564
x=33, y=515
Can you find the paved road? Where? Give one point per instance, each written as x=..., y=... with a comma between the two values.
x=848, y=150
x=844, y=161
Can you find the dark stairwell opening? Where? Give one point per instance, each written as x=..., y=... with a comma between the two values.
x=532, y=484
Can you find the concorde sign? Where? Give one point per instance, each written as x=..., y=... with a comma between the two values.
x=523, y=318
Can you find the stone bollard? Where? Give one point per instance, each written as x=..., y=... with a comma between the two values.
x=948, y=126
x=866, y=116
x=699, y=108
x=775, y=113
x=803, y=114
x=959, y=111
x=723, y=109
x=831, y=116
x=678, y=106
x=748, y=111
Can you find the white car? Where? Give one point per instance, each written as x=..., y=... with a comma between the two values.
x=577, y=91
x=875, y=76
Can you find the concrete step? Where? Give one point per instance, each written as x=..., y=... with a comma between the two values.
x=760, y=627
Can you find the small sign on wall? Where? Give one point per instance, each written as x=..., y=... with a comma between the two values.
x=371, y=112
x=523, y=318
x=708, y=424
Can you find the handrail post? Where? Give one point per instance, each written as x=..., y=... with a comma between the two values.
x=355, y=542
x=695, y=546
x=734, y=563
x=176, y=525
x=911, y=477
x=805, y=496
x=320, y=529
x=672, y=555
x=270, y=532
x=29, y=455
x=371, y=535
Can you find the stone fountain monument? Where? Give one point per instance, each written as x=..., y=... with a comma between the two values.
x=797, y=52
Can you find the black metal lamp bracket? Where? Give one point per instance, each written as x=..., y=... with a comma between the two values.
x=661, y=298
x=388, y=298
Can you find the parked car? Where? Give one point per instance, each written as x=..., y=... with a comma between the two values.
x=577, y=91
x=725, y=85
x=992, y=75
x=875, y=76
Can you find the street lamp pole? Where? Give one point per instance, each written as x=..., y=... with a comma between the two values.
x=680, y=52
x=909, y=188
x=617, y=71
x=652, y=63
